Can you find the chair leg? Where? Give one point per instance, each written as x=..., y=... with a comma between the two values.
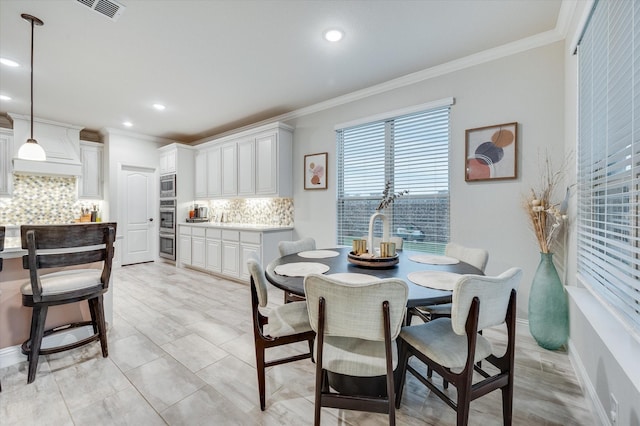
x=39, y=316
x=403, y=360
x=97, y=308
x=507, y=403
x=261, y=374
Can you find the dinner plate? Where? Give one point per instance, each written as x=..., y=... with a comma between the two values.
x=353, y=277
x=433, y=259
x=318, y=254
x=439, y=280
x=301, y=269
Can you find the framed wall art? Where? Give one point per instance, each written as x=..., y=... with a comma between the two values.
x=315, y=171
x=491, y=152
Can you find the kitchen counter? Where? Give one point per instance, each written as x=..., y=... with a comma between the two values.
x=237, y=226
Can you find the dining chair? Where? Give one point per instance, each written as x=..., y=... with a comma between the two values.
x=284, y=324
x=56, y=246
x=356, y=326
x=291, y=247
x=473, y=256
x=453, y=346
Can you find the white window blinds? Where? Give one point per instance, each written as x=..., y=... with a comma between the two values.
x=609, y=156
x=411, y=152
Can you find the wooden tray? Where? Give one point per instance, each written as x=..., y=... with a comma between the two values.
x=373, y=262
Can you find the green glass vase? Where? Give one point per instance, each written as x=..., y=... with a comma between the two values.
x=548, y=306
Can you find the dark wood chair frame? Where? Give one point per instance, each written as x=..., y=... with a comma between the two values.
x=468, y=391
x=325, y=398
x=46, y=237
x=263, y=342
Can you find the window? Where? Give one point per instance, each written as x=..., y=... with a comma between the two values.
x=609, y=157
x=409, y=151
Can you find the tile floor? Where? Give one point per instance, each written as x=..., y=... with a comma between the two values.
x=181, y=353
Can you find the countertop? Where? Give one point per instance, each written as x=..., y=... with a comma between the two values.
x=238, y=226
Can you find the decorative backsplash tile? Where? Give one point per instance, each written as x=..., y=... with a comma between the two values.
x=256, y=211
x=42, y=200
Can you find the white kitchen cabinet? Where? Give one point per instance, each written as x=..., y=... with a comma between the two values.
x=231, y=253
x=168, y=161
x=6, y=141
x=250, y=246
x=184, y=245
x=214, y=250
x=266, y=174
x=90, y=182
x=229, y=169
x=200, y=184
x=214, y=172
x=198, y=248
x=246, y=167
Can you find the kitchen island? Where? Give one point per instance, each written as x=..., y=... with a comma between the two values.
x=224, y=248
x=15, y=319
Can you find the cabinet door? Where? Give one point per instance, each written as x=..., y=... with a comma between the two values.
x=230, y=258
x=90, y=184
x=214, y=172
x=246, y=251
x=6, y=141
x=198, y=252
x=266, y=164
x=184, y=249
x=168, y=162
x=246, y=167
x=200, y=184
x=229, y=169
x=214, y=255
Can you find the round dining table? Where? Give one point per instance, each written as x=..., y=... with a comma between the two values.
x=418, y=295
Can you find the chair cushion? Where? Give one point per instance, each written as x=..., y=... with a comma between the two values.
x=61, y=282
x=355, y=357
x=290, y=318
x=437, y=340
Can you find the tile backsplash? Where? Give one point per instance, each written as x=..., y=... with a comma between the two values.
x=256, y=211
x=41, y=200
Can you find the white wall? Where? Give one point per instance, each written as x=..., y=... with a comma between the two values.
x=526, y=88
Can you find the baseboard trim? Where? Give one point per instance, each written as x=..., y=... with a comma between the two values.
x=587, y=386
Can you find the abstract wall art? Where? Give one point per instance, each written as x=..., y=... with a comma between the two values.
x=491, y=152
x=315, y=171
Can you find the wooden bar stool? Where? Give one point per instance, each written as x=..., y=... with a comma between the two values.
x=55, y=246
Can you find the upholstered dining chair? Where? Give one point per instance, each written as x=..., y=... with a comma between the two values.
x=473, y=256
x=291, y=247
x=55, y=246
x=284, y=324
x=356, y=326
x=452, y=347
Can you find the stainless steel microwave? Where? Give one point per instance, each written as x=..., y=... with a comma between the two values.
x=168, y=186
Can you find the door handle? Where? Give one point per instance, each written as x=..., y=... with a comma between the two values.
x=150, y=219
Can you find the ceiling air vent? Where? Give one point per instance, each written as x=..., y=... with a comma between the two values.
x=109, y=8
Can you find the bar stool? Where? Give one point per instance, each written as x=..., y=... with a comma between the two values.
x=55, y=246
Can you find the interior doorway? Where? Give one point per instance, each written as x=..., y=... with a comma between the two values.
x=137, y=212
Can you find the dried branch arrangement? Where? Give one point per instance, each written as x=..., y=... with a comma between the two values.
x=389, y=197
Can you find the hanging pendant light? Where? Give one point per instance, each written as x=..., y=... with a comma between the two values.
x=31, y=150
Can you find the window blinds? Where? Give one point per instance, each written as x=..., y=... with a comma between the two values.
x=609, y=156
x=411, y=152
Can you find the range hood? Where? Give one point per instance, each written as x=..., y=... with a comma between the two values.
x=61, y=143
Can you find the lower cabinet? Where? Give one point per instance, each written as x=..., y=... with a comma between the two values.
x=225, y=251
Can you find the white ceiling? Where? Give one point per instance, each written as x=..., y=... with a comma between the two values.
x=220, y=65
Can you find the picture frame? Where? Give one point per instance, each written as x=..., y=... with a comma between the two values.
x=315, y=171
x=491, y=152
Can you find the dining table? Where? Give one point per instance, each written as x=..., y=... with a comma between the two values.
x=419, y=295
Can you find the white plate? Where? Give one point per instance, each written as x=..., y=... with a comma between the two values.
x=439, y=280
x=318, y=254
x=301, y=269
x=434, y=259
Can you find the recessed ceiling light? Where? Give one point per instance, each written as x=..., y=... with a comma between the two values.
x=333, y=35
x=9, y=62
x=159, y=107
x=5, y=97
x=127, y=123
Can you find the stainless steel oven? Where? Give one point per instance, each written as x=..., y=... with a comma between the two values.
x=167, y=246
x=168, y=186
x=168, y=216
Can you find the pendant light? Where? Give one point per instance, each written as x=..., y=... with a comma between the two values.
x=31, y=150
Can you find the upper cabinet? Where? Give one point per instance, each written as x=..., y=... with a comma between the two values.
x=90, y=182
x=6, y=141
x=254, y=163
x=168, y=161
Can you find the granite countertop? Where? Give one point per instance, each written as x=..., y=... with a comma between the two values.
x=238, y=226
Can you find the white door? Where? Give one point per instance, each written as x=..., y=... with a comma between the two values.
x=137, y=210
